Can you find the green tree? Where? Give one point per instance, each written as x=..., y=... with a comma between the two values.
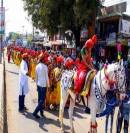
x=69, y=14
x=13, y=36
x=29, y=38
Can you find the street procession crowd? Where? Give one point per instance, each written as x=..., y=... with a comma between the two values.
x=46, y=67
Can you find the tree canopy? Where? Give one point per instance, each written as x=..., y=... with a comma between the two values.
x=69, y=14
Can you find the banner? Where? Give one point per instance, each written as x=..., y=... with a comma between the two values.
x=2, y=21
x=125, y=27
x=123, y=41
x=110, y=41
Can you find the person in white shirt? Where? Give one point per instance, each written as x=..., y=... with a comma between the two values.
x=42, y=82
x=23, y=82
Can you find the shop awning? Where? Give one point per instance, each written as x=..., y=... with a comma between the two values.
x=110, y=17
x=58, y=42
x=47, y=44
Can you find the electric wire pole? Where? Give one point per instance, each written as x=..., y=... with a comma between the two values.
x=1, y=34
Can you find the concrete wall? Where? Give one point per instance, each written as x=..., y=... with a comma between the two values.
x=113, y=2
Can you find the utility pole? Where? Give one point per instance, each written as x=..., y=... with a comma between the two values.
x=33, y=32
x=1, y=35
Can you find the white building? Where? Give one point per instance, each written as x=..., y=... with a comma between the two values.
x=113, y=2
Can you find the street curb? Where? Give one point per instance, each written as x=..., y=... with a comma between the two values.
x=1, y=95
x=5, y=126
x=3, y=111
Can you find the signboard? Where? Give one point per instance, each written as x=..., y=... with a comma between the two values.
x=2, y=21
x=110, y=42
x=125, y=27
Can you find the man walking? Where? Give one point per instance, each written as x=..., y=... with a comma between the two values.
x=42, y=82
x=124, y=113
x=23, y=82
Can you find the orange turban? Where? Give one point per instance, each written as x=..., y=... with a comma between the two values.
x=41, y=56
x=25, y=55
x=89, y=43
x=94, y=39
x=69, y=63
x=60, y=59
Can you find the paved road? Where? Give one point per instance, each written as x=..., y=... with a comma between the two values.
x=25, y=123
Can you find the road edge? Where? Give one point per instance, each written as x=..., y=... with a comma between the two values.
x=3, y=101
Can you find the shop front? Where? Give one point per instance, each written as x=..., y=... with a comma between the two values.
x=113, y=30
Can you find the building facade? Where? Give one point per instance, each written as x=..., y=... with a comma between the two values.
x=114, y=2
x=113, y=24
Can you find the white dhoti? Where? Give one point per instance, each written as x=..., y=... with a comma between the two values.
x=23, y=78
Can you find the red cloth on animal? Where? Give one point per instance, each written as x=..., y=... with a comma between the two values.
x=80, y=77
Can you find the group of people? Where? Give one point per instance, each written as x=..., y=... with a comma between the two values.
x=123, y=112
x=45, y=63
x=42, y=82
x=43, y=77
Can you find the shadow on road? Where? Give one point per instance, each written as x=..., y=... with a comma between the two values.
x=41, y=121
x=12, y=72
x=78, y=110
x=44, y=121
